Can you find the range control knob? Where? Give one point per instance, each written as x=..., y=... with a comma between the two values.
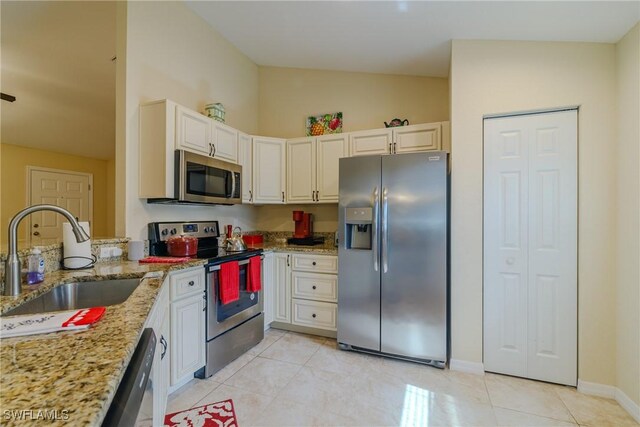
x=174, y=231
x=164, y=232
x=206, y=229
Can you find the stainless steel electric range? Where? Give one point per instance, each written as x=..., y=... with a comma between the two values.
x=233, y=328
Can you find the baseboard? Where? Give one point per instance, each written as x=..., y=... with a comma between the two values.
x=629, y=405
x=466, y=366
x=611, y=392
x=595, y=389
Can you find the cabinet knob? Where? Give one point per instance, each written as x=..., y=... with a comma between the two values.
x=313, y=315
x=313, y=287
x=191, y=283
x=36, y=233
x=314, y=263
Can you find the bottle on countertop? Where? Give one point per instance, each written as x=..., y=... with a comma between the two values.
x=35, y=267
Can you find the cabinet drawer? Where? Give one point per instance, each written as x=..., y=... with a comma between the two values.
x=186, y=283
x=320, y=287
x=315, y=263
x=314, y=314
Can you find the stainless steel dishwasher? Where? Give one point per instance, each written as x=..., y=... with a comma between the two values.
x=132, y=404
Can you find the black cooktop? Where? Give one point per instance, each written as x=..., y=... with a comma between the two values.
x=207, y=233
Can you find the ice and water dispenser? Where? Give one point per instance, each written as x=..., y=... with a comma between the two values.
x=359, y=222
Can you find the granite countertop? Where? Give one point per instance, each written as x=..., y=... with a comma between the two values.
x=76, y=374
x=328, y=248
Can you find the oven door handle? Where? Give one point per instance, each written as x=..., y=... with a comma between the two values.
x=217, y=267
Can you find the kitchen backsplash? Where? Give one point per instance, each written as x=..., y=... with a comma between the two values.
x=53, y=253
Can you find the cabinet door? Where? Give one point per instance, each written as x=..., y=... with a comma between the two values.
x=426, y=137
x=245, y=160
x=225, y=142
x=187, y=337
x=268, y=291
x=329, y=149
x=269, y=170
x=301, y=170
x=193, y=131
x=282, y=283
x=161, y=370
x=369, y=142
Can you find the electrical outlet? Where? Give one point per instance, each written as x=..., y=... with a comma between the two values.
x=115, y=251
x=105, y=252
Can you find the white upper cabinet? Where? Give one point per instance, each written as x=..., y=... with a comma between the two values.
x=301, y=170
x=329, y=149
x=193, y=131
x=410, y=139
x=245, y=159
x=369, y=142
x=269, y=170
x=225, y=142
x=401, y=139
x=312, y=168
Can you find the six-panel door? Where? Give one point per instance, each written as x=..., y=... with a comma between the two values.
x=530, y=246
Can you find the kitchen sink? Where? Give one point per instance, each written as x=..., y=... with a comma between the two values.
x=78, y=295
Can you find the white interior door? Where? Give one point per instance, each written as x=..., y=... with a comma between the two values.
x=70, y=190
x=530, y=246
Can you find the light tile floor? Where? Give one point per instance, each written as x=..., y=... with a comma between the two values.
x=292, y=379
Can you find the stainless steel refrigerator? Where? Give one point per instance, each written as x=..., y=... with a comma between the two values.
x=393, y=256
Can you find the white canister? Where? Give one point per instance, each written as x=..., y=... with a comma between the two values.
x=135, y=250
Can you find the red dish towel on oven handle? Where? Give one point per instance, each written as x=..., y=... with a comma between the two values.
x=229, y=282
x=254, y=282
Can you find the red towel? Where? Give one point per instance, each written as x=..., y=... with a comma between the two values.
x=229, y=282
x=253, y=278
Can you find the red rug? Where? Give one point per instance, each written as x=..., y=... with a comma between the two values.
x=219, y=414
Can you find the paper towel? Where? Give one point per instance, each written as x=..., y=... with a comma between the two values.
x=71, y=248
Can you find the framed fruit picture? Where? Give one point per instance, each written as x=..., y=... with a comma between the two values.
x=324, y=124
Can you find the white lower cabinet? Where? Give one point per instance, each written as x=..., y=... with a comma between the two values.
x=314, y=314
x=268, y=291
x=159, y=320
x=306, y=290
x=282, y=285
x=187, y=344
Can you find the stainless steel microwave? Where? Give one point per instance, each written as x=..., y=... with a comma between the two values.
x=204, y=180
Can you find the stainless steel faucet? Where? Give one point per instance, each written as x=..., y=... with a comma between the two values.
x=12, y=265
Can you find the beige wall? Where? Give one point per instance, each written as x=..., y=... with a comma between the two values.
x=628, y=215
x=278, y=217
x=15, y=160
x=172, y=53
x=489, y=77
x=289, y=95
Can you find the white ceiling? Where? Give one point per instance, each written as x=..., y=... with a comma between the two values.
x=402, y=37
x=56, y=60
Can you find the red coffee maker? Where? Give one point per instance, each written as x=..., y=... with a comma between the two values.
x=304, y=225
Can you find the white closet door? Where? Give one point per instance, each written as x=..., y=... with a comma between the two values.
x=530, y=246
x=505, y=246
x=553, y=252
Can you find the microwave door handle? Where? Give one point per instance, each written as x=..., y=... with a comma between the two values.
x=229, y=185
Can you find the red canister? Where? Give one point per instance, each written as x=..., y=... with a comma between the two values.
x=182, y=246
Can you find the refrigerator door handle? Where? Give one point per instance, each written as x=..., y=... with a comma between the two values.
x=374, y=231
x=385, y=227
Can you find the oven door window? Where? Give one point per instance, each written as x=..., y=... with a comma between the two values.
x=246, y=300
x=204, y=180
